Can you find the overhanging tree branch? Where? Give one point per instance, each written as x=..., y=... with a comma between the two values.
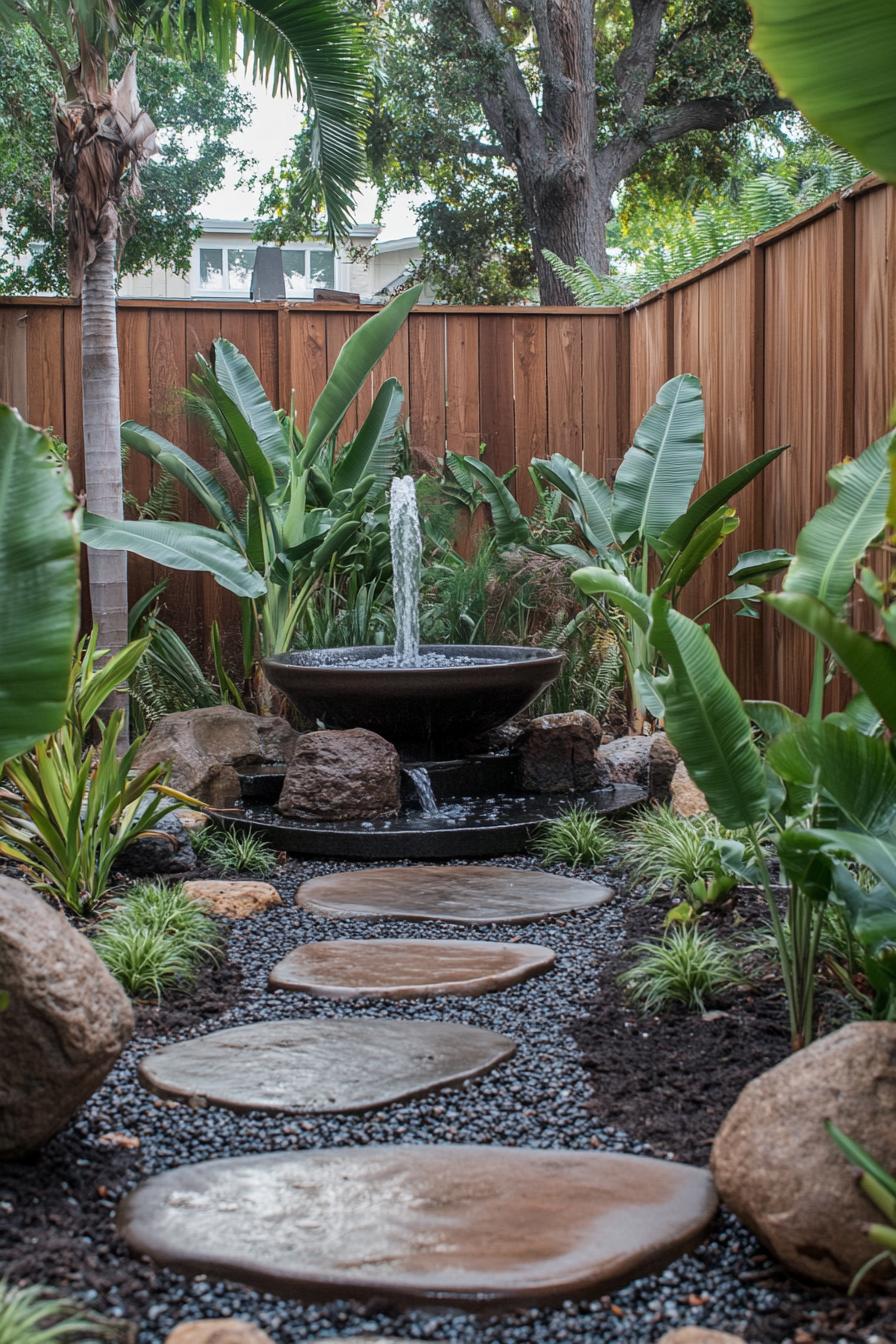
x=510, y=111
x=708, y=114
x=636, y=65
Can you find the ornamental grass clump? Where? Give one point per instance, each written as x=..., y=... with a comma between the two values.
x=155, y=937
x=33, y=1316
x=667, y=851
x=579, y=837
x=688, y=966
x=229, y=852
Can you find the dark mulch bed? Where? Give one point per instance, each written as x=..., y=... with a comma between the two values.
x=215, y=989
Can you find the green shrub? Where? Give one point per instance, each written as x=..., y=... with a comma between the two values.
x=579, y=836
x=32, y=1316
x=156, y=937
x=687, y=966
x=229, y=851
x=665, y=850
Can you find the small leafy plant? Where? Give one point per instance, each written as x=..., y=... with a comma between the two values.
x=33, y=1316
x=880, y=1187
x=156, y=937
x=680, y=853
x=580, y=836
x=230, y=852
x=688, y=965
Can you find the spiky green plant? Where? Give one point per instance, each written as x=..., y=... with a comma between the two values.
x=688, y=965
x=229, y=851
x=579, y=836
x=666, y=850
x=156, y=937
x=33, y=1315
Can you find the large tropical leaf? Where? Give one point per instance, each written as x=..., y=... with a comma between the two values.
x=683, y=528
x=707, y=537
x=591, y=499
x=374, y=449
x=233, y=433
x=832, y=543
x=604, y=582
x=760, y=565
x=364, y=348
x=179, y=546
x=706, y=720
x=38, y=586
x=870, y=662
x=658, y=473
x=313, y=49
x=511, y=528
x=241, y=383
x=197, y=479
x=834, y=60
x=855, y=772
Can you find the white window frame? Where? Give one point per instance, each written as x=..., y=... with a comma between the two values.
x=225, y=242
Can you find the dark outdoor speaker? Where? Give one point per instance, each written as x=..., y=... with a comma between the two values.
x=267, y=275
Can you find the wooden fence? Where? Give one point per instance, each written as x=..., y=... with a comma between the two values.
x=792, y=335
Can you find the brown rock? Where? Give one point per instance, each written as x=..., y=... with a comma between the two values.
x=686, y=799
x=467, y=894
x=648, y=762
x=66, y=1023
x=558, y=752
x=614, y=719
x=223, y=1330
x=233, y=900
x=407, y=968
x=208, y=749
x=342, y=775
x=696, y=1334
x=448, y=1224
x=191, y=820
x=776, y=1167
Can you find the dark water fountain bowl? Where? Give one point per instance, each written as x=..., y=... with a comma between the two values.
x=458, y=693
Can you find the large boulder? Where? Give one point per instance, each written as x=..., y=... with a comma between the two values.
x=342, y=775
x=646, y=761
x=167, y=848
x=559, y=752
x=777, y=1168
x=218, y=1330
x=685, y=798
x=66, y=1022
x=209, y=748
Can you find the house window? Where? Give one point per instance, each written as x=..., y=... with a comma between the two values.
x=229, y=269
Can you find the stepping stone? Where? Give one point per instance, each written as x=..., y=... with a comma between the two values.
x=460, y=895
x=452, y=1225
x=233, y=900
x=319, y=1065
x=407, y=968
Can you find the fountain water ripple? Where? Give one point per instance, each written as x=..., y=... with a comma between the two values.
x=404, y=529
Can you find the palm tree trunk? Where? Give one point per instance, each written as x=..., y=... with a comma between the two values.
x=108, y=570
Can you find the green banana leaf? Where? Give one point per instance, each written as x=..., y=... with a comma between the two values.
x=38, y=586
x=178, y=546
x=374, y=449
x=771, y=717
x=832, y=543
x=706, y=538
x=857, y=773
x=679, y=533
x=760, y=564
x=591, y=499
x=363, y=349
x=199, y=481
x=860, y=714
x=511, y=527
x=655, y=482
x=240, y=382
x=241, y=444
x=870, y=662
x=834, y=60
x=706, y=720
x=875, y=852
x=871, y=916
x=597, y=582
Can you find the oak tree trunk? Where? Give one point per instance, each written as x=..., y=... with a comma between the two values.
x=568, y=216
x=108, y=570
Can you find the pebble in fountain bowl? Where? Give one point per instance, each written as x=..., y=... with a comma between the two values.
x=455, y=692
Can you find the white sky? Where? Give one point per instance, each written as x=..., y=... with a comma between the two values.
x=267, y=138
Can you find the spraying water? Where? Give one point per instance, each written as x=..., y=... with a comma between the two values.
x=404, y=529
x=423, y=784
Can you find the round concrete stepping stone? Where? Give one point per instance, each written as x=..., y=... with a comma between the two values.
x=407, y=968
x=449, y=1224
x=320, y=1065
x=463, y=895
x=235, y=899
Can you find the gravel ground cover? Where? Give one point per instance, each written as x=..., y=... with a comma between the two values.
x=57, y=1210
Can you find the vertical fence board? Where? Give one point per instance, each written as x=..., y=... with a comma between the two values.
x=496, y=416
x=530, y=401
x=425, y=389
x=565, y=383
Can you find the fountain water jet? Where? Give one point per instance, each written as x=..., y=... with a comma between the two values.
x=407, y=548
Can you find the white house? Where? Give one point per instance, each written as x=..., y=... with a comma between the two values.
x=224, y=254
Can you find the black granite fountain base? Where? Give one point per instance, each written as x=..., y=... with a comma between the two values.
x=481, y=814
